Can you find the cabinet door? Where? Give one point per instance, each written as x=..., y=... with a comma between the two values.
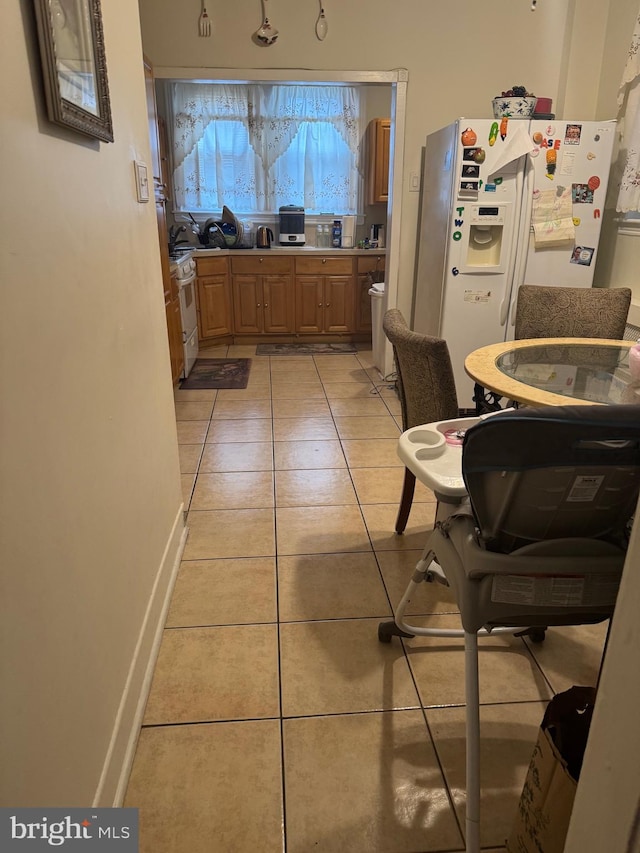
x=214, y=306
x=363, y=304
x=338, y=303
x=277, y=294
x=378, y=141
x=248, y=311
x=175, y=341
x=309, y=303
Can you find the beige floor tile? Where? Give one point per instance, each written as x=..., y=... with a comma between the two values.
x=372, y=453
x=393, y=406
x=347, y=374
x=190, y=784
x=189, y=455
x=237, y=456
x=508, y=673
x=338, y=801
x=224, y=592
x=330, y=586
x=308, y=454
x=242, y=351
x=301, y=409
x=326, y=487
x=359, y=407
x=284, y=363
x=384, y=485
x=508, y=734
x=193, y=411
x=192, y=432
x=233, y=490
x=321, y=530
x=193, y=395
x=397, y=568
x=301, y=371
x=230, y=533
x=340, y=666
x=349, y=391
x=571, y=654
x=303, y=429
x=381, y=519
x=187, y=482
x=227, y=673
x=298, y=390
x=232, y=409
x=343, y=361
x=215, y=351
x=257, y=391
x=376, y=427
x=252, y=429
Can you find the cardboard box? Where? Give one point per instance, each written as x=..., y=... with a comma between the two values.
x=547, y=798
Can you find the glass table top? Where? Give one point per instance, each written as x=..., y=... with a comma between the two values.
x=598, y=373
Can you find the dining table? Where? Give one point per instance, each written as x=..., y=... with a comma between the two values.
x=556, y=371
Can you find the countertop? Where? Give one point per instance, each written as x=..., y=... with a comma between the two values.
x=282, y=250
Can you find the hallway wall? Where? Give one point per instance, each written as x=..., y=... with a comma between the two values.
x=90, y=489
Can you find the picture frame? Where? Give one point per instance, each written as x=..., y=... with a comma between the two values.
x=74, y=66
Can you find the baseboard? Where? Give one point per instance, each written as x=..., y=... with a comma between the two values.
x=117, y=765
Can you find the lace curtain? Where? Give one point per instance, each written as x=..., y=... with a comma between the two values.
x=629, y=126
x=255, y=147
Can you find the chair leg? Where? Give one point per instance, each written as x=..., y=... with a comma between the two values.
x=472, y=699
x=408, y=488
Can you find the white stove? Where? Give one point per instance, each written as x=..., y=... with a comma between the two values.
x=185, y=273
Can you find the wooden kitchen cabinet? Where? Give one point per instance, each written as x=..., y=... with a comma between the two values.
x=174, y=328
x=365, y=265
x=213, y=294
x=378, y=147
x=324, y=291
x=263, y=295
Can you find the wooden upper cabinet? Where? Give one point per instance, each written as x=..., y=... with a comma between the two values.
x=378, y=147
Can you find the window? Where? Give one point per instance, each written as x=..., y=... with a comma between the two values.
x=256, y=147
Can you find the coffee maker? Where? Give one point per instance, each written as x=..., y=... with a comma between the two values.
x=291, y=225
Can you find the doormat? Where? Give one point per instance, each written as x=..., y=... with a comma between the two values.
x=304, y=349
x=218, y=373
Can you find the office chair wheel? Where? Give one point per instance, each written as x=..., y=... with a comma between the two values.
x=387, y=630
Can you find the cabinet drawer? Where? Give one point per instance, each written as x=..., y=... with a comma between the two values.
x=329, y=265
x=211, y=266
x=369, y=263
x=261, y=265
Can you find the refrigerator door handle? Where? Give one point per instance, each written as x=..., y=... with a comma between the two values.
x=522, y=242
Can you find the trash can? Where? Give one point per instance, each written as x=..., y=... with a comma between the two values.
x=376, y=292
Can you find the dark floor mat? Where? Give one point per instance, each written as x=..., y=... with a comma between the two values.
x=218, y=373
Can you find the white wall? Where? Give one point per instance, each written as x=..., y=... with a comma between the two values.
x=457, y=62
x=90, y=501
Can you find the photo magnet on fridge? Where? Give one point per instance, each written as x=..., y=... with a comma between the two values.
x=581, y=194
x=582, y=255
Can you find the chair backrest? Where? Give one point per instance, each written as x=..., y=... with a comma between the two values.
x=571, y=312
x=426, y=385
x=555, y=472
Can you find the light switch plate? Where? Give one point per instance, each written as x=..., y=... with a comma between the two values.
x=414, y=182
x=142, y=181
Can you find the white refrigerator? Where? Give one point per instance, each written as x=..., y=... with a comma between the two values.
x=504, y=203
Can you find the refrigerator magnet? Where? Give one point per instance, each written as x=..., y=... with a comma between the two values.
x=582, y=255
x=468, y=137
x=581, y=194
x=572, y=134
x=593, y=183
x=470, y=171
x=493, y=133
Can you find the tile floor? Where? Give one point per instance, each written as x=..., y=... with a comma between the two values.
x=276, y=721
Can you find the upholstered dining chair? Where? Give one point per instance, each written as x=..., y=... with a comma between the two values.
x=425, y=384
x=571, y=312
x=544, y=311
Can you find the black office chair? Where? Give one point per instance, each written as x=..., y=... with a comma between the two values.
x=540, y=538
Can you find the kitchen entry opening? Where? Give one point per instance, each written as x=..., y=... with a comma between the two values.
x=256, y=147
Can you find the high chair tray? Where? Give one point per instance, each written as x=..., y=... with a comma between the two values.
x=433, y=452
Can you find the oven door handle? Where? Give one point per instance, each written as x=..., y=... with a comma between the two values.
x=183, y=282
